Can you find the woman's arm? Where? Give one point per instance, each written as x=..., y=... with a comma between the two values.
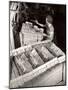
x=39, y=23
x=51, y=32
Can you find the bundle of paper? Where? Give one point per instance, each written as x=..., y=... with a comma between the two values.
x=54, y=49
x=29, y=24
x=41, y=30
x=27, y=27
x=36, y=28
x=14, y=71
x=44, y=53
x=39, y=36
x=35, y=58
x=29, y=34
x=37, y=47
x=23, y=64
x=17, y=59
x=30, y=37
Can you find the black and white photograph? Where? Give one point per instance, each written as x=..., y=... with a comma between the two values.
x=37, y=44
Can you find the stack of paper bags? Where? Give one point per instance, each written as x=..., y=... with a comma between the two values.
x=44, y=53
x=29, y=34
x=29, y=38
x=23, y=64
x=35, y=58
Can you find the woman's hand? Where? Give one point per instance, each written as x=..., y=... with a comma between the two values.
x=36, y=21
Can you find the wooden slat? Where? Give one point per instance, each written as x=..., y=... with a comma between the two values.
x=22, y=49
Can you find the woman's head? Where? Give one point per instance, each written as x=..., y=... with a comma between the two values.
x=49, y=19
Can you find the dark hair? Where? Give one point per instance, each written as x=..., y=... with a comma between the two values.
x=49, y=18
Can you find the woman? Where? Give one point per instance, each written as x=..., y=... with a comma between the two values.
x=49, y=28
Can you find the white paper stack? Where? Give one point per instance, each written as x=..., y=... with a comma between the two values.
x=35, y=58
x=39, y=36
x=23, y=64
x=30, y=38
x=44, y=52
x=29, y=34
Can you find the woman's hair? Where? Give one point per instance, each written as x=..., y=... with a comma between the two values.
x=49, y=18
